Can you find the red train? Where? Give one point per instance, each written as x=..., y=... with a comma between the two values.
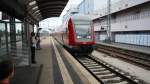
x=79, y=35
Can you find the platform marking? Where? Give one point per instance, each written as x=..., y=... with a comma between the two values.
x=65, y=74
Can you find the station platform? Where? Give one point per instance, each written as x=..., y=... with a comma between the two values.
x=54, y=66
x=136, y=48
x=27, y=74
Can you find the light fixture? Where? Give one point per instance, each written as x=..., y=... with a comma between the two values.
x=32, y=3
x=37, y=11
x=34, y=8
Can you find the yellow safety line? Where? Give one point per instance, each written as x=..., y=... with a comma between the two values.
x=66, y=77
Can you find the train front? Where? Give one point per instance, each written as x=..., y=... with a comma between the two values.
x=82, y=37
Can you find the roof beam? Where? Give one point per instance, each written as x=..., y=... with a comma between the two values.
x=47, y=7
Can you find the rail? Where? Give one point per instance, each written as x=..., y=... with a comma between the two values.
x=137, y=58
x=106, y=73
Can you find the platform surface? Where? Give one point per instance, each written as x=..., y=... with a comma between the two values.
x=56, y=67
x=27, y=74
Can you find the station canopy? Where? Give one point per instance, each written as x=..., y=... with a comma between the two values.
x=36, y=10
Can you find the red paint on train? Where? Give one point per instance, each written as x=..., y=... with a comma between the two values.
x=78, y=35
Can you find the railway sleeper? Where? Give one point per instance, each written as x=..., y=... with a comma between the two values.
x=109, y=75
x=91, y=65
x=85, y=59
x=97, y=67
x=102, y=72
x=122, y=82
x=112, y=80
x=86, y=63
x=100, y=69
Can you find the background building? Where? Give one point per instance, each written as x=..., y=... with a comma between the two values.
x=129, y=22
x=98, y=4
x=86, y=6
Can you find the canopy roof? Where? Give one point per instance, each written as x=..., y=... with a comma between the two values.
x=36, y=10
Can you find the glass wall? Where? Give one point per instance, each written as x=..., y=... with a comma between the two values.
x=18, y=31
x=83, y=30
x=3, y=43
x=4, y=53
x=14, y=40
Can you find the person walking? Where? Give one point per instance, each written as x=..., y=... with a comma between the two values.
x=38, y=39
x=33, y=45
x=38, y=47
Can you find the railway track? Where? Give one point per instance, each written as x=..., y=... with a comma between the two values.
x=105, y=73
x=140, y=59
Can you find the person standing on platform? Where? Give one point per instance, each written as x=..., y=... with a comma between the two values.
x=38, y=47
x=6, y=71
x=38, y=39
x=33, y=45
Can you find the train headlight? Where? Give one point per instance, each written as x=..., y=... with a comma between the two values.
x=79, y=37
x=89, y=37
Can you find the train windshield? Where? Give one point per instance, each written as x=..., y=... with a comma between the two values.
x=83, y=30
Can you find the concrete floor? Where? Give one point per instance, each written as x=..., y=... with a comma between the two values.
x=43, y=56
x=59, y=68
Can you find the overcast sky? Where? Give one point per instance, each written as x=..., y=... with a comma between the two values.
x=71, y=3
x=54, y=22
x=97, y=4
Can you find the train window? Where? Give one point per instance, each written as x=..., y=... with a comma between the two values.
x=83, y=30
